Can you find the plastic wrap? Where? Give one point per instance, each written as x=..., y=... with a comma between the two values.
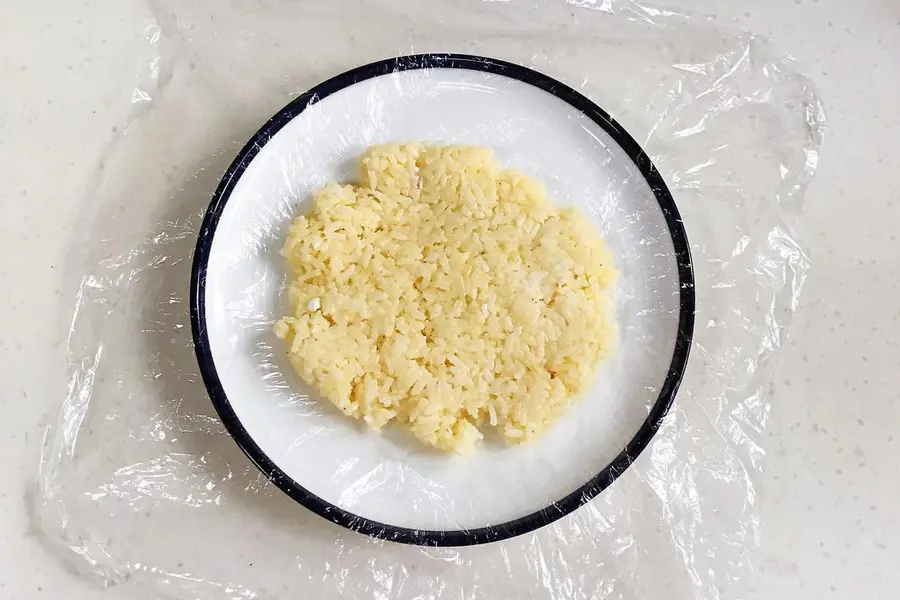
x=140, y=484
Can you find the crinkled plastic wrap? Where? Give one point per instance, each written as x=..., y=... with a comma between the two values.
x=140, y=485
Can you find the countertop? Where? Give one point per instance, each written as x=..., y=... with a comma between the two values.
x=832, y=484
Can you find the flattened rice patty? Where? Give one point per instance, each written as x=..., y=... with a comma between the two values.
x=448, y=295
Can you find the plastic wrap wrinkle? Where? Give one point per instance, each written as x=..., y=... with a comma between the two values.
x=140, y=486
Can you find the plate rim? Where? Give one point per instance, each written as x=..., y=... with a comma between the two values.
x=450, y=537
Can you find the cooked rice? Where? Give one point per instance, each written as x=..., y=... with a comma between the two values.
x=448, y=295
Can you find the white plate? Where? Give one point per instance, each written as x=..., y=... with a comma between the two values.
x=388, y=485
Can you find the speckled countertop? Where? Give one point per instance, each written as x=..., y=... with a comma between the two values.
x=830, y=524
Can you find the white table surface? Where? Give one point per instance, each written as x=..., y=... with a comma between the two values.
x=830, y=520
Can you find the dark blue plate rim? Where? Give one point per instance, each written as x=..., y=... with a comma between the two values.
x=460, y=537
